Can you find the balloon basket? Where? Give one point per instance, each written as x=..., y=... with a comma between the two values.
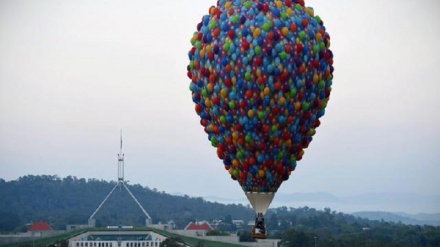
x=257, y=234
x=259, y=230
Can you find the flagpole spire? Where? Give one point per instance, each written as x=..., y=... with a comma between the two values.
x=121, y=163
x=120, y=150
x=121, y=184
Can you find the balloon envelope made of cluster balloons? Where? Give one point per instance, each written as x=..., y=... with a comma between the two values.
x=261, y=76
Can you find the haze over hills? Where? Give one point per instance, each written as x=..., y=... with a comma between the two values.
x=410, y=209
x=386, y=202
x=45, y=197
x=409, y=219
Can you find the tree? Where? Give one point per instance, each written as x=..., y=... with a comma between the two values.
x=293, y=238
x=272, y=222
x=8, y=221
x=172, y=242
x=72, y=200
x=245, y=236
x=228, y=219
x=215, y=233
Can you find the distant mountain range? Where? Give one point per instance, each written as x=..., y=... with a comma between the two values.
x=409, y=219
x=404, y=207
x=70, y=200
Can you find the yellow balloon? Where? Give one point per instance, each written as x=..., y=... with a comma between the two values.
x=235, y=163
x=257, y=33
x=318, y=37
x=208, y=48
x=234, y=80
x=289, y=12
x=223, y=92
x=208, y=103
x=228, y=5
x=266, y=91
x=282, y=101
x=285, y=31
x=310, y=11
x=258, y=72
x=235, y=135
x=210, y=87
x=315, y=78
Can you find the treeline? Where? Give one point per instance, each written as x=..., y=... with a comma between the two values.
x=71, y=200
x=63, y=201
x=307, y=226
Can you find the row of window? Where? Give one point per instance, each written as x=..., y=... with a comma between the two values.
x=115, y=244
x=94, y=244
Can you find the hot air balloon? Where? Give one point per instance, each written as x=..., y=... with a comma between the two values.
x=261, y=75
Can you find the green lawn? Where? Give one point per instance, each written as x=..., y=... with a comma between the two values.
x=60, y=239
x=194, y=241
x=50, y=241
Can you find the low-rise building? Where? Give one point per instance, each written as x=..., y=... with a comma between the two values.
x=199, y=228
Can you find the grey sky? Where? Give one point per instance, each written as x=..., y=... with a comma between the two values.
x=72, y=73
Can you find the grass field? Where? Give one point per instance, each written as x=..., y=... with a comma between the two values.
x=61, y=240
x=195, y=241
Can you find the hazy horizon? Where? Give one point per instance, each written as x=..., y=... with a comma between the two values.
x=411, y=203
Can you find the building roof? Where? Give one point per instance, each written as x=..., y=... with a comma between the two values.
x=40, y=226
x=199, y=226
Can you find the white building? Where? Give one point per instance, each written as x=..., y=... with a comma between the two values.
x=117, y=239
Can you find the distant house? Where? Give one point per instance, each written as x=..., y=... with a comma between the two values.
x=238, y=223
x=40, y=228
x=168, y=226
x=200, y=228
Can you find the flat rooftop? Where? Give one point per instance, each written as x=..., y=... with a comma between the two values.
x=119, y=236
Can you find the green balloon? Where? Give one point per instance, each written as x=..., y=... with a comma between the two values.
x=213, y=24
x=235, y=18
x=248, y=138
x=266, y=26
x=223, y=119
x=214, y=142
x=305, y=106
x=240, y=154
x=321, y=85
x=205, y=92
x=257, y=50
x=292, y=92
x=236, y=173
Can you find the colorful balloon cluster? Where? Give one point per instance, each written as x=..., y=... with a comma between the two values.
x=261, y=76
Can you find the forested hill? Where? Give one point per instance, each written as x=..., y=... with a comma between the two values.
x=62, y=201
x=71, y=200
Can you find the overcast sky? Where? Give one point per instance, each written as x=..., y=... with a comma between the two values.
x=73, y=73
